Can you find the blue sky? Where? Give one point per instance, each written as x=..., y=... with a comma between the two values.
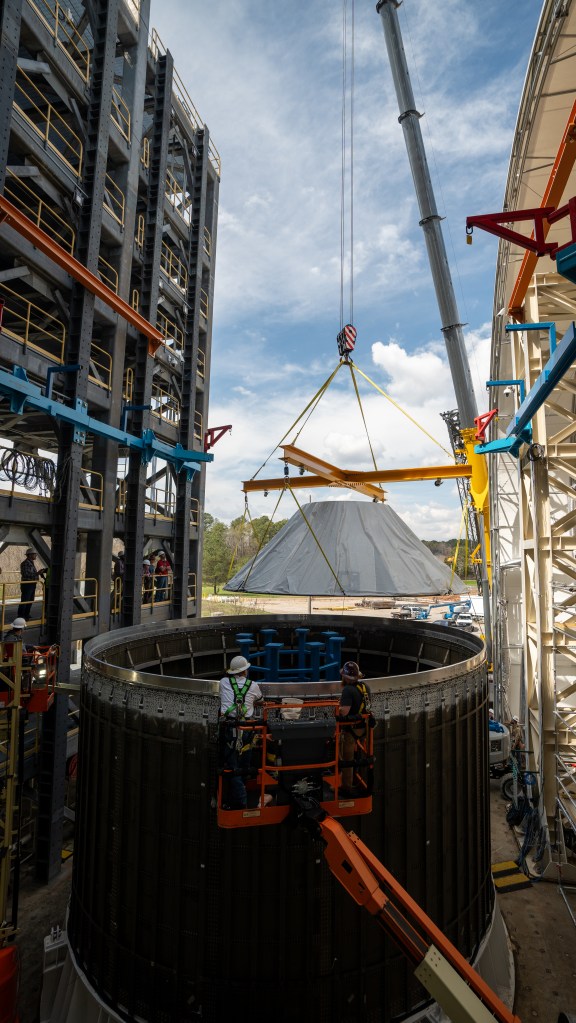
x=267, y=80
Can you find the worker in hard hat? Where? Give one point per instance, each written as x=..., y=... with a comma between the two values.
x=147, y=581
x=29, y=576
x=238, y=696
x=354, y=703
x=162, y=571
x=16, y=635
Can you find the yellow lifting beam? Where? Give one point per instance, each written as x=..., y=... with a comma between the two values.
x=326, y=474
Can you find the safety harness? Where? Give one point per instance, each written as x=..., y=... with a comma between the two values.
x=239, y=707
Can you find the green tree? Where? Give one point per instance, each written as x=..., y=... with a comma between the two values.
x=216, y=553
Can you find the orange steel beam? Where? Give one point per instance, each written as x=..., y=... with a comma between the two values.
x=295, y=456
x=330, y=476
x=11, y=215
x=553, y=194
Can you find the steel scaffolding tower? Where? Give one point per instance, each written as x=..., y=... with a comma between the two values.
x=103, y=150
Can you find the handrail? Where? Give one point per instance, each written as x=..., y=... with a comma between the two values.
x=114, y=200
x=42, y=214
x=108, y=274
x=100, y=367
x=201, y=364
x=120, y=114
x=159, y=503
x=11, y=598
x=64, y=143
x=145, y=154
x=140, y=228
x=204, y=303
x=121, y=497
x=198, y=428
x=60, y=24
x=134, y=8
x=170, y=330
x=194, y=513
x=91, y=490
x=89, y=599
x=35, y=329
x=179, y=198
x=128, y=385
x=165, y=406
x=173, y=267
x=157, y=49
x=207, y=242
x=191, y=590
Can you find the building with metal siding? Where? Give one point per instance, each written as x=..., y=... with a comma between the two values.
x=533, y=496
x=102, y=148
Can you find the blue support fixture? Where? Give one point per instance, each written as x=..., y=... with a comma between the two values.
x=561, y=359
x=566, y=262
x=21, y=392
x=307, y=661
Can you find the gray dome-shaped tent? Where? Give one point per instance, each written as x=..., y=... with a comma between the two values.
x=352, y=548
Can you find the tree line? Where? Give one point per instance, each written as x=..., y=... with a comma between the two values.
x=227, y=548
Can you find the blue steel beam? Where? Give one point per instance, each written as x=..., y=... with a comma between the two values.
x=18, y=388
x=561, y=358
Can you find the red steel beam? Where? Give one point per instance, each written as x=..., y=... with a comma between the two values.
x=11, y=215
x=553, y=194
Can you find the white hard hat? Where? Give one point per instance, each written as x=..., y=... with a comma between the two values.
x=19, y=623
x=145, y=562
x=238, y=665
x=163, y=553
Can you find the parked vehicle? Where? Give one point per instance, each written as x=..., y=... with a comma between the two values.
x=465, y=621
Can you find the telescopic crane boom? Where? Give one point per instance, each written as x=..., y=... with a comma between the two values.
x=430, y=222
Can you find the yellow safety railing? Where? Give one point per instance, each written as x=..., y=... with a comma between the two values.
x=207, y=243
x=116, y=596
x=135, y=300
x=108, y=274
x=145, y=153
x=170, y=331
x=204, y=306
x=36, y=109
x=158, y=49
x=114, y=200
x=128, y=386
x=121, y=497
x=180, y=200
x=198, y=428
x=173, y=267
x=194, y=513
x=85, y=598
x=159, y=503
x=120, y=114
x=191, y=595
x=91, y=490
x=32, y=326
x=165, y=406
x=39, y=212
x=140, y=225
x=201, y=364
x=100, y=368
x=63, y=30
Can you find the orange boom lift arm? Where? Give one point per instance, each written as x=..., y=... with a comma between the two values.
x=439, y=966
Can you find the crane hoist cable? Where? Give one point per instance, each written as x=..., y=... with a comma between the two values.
x=313, y=402
x=351, y=367
x=260, y=542
x=347, y=100
x=404, y=412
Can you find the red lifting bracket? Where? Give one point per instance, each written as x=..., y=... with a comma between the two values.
x=482, y=423
x=213, y=435
x=493, y=223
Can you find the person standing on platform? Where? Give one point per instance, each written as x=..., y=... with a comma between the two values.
x=354, y=702
x=29, y=576
x=237, y=698
x=161, y=574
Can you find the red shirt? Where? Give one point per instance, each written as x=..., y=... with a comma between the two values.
x=162, y=566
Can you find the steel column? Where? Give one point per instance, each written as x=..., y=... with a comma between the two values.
x=10, y=17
